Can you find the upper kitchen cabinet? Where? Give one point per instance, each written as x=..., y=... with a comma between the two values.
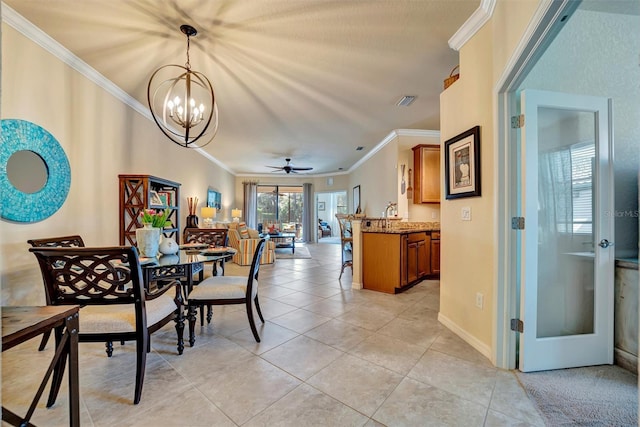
x=426, y=166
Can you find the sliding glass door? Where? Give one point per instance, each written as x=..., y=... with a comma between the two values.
x=280, y=208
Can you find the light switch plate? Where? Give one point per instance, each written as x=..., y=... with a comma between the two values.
x=465, y=214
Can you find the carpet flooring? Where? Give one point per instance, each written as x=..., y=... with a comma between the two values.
x=594, y=396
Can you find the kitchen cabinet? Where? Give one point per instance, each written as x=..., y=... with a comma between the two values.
x=435, y=252
x=394, y=261
x=426, y=173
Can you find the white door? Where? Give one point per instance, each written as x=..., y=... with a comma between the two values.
x=567, y=264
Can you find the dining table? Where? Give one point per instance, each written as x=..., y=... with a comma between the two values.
x=187, y=265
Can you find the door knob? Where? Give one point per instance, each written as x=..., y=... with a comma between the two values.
x=604, y=243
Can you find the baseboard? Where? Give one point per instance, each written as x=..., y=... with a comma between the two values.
x=356, y=285
x=484, y=349
x=625, y=360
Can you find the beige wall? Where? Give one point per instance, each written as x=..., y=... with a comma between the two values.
x=406, y=208
x=376, y=180
x=468, y=248
x=102, y=138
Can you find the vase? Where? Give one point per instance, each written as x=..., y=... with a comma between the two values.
x=148, y=240
x=168, y=246
x=192, y=221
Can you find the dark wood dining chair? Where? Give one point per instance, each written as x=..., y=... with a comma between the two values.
x=224, y=290
x=56, y=242
x=107, y=283
x=209, y=237
x=206, y=236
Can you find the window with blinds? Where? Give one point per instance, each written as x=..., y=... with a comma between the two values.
x=582, y=168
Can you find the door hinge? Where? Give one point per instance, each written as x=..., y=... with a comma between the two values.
x=517, y=223
x=517, y=121
x=517, y=325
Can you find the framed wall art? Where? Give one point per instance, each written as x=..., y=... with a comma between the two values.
x=321, y=206
x=356, y=199
x=462, y=164
x=214, y=199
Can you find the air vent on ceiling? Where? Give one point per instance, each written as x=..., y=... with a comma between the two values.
x=405, y=101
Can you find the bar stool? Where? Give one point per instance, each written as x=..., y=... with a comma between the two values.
x=346, y=241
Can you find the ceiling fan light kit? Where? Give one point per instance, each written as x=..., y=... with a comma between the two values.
x=182, y=102
x=289, y=168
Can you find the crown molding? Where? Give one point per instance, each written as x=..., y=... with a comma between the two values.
x=390, y=137
x=473, y=24
x=35, y=34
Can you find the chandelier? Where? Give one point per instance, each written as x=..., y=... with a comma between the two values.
x=182, y=102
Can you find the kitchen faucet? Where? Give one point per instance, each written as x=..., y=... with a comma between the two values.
x=390, y=205
x=393, y=207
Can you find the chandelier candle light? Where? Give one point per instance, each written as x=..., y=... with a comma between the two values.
x=182, y=102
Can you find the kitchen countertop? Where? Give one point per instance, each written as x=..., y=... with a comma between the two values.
x=398, y=230
x=397, y=227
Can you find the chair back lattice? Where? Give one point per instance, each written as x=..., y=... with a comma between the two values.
x=207, y=236
x=87, y=276
x=252, y=290
x=56, y=242
x=344, y=221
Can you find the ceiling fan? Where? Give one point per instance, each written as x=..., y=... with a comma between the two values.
x=288, y=168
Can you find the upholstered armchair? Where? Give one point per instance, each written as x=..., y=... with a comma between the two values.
x=245, y=241
x=324, y=229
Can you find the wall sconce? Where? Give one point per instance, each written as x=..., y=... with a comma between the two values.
x=236, y=214
x=208, y=214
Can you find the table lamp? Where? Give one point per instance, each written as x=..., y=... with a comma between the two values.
x=207, y=214
x=236, y=214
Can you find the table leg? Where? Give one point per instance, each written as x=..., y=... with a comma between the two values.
x=74, y=384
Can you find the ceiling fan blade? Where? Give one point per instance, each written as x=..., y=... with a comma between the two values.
x=294, y=168
x=275, y=167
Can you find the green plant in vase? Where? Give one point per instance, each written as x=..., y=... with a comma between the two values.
x=155, y=218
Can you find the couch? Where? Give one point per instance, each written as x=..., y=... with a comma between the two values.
x=245, y=240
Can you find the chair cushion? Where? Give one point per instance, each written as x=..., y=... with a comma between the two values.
x=221, y=287
x=243, y=230
x=122, y=317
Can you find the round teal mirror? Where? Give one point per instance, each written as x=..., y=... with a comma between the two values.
x=35, y=175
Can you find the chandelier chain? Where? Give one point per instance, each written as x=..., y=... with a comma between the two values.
x=188, y=65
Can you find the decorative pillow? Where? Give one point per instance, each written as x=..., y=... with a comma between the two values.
x=243, y=230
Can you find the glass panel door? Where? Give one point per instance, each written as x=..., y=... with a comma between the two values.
x=566, y=151
x=567, y=264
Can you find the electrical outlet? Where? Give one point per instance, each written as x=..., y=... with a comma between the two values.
x=434, y=215
x=479, y=300
x=465, y=214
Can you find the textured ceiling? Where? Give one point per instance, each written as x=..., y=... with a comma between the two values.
x=306, y=79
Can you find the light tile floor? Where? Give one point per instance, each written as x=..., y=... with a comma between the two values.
x=329, y=356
